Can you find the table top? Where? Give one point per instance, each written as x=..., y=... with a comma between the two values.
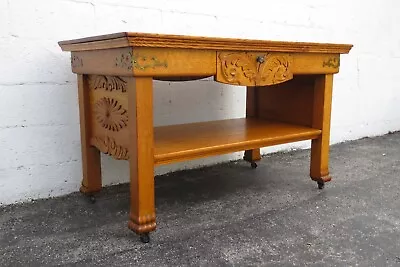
x=133, y=39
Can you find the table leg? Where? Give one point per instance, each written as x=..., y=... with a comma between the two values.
x=252, y=155
x=319, y=170
x=141, y=156
x=91, y=166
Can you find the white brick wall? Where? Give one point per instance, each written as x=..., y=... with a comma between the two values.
x=39, y=130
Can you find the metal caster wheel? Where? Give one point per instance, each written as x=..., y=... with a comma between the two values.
x=145, y=238
x=253, y=165
x=321, y=185
x=92, y=199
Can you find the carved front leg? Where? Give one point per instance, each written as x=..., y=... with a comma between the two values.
x=91, y=167
x=122, y=111
x=319, y=170
x=141, y=150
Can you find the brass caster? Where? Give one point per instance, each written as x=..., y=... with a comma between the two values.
x=91, y=198
x=321, y=185
x=253, y=165
x=145, y=238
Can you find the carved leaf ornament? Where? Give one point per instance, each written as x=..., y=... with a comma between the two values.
x=109, y=146
x=253, y=69
x=108, y=83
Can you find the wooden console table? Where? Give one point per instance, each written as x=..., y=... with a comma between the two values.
x=289, y=92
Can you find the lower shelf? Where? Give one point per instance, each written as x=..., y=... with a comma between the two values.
x=196, y=140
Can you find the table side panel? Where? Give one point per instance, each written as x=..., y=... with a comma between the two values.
x=109, y=109
x=290, y=102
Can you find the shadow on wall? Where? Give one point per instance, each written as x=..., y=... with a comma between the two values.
x=185, y=102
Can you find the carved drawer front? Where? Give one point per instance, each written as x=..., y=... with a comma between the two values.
x=253, y=68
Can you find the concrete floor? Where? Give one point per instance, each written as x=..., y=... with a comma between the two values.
x=227, y=215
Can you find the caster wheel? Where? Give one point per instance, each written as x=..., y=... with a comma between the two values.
x=92, y=199
x=253, y=165
x=145, y=238
x=321, y=185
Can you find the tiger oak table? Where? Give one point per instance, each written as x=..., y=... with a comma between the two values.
x=289, y=92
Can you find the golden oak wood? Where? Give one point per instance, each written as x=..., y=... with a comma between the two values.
x=319, y=170
x=179, y=63
x=91, y=166
x=290, y=102
x=289, y=91
x=141, y=155
x=193, y=140
x=131, y=39
x=252, y=155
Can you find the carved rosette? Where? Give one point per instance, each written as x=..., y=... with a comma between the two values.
x=108, y=146
x=110, y=114
x=253, y=69
x=108, y=83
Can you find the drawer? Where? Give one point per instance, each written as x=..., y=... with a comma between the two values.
x=253, y=68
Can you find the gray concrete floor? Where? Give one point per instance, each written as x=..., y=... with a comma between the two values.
x=228, y=214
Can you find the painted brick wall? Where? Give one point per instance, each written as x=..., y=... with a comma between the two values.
x=39, y=130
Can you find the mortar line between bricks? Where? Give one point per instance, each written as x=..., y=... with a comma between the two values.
x=36, y=83
x=40, y=165
x=36, y=125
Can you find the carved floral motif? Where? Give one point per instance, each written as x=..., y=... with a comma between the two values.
x=109, y=146
x=251, y=69
x=108, y=83
x=138, y=61
x=275, y=70
x=76, y=61
x=110, y=114
x=124, y=61
x=332, y=63
x=142, y=62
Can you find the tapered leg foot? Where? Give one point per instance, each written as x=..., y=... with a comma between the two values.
x=143, y=226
